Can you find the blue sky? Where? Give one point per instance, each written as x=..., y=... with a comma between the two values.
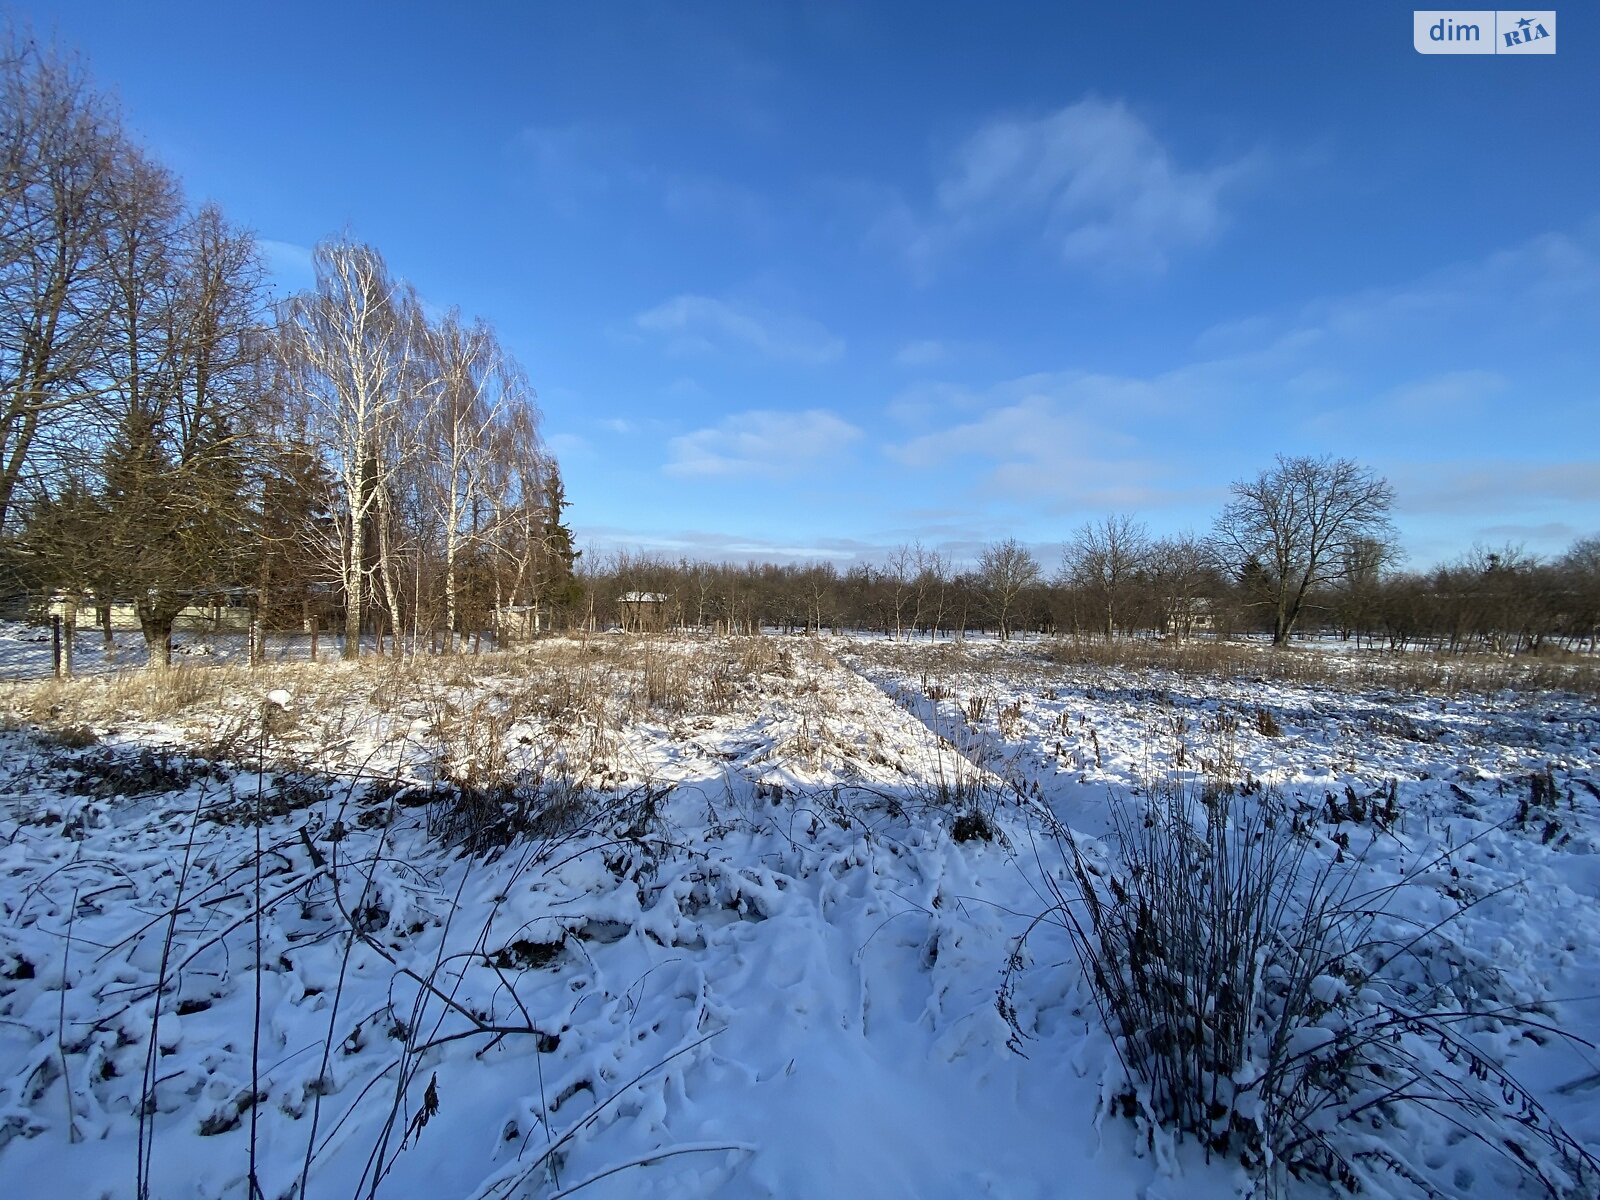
x=803, y=281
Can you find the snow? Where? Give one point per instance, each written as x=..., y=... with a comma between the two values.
x=766, y=968
x=26, y=650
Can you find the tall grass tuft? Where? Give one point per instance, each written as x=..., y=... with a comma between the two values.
x=1261, y=1000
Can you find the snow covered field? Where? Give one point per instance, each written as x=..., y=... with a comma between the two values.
x=735, y=918
x=26, y=650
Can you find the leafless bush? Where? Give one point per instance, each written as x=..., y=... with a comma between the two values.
x=1399, y=725
x=469, y=738
x=758, y=656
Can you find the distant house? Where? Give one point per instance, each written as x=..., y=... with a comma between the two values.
x=225, y=611
x=642, y=612
x=512, y=621
x=1188, y=616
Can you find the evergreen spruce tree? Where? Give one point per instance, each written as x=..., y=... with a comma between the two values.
x=561, y=586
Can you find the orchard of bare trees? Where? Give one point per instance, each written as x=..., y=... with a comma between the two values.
x=1304, y=547
x=171, y=436
x=1498, y=600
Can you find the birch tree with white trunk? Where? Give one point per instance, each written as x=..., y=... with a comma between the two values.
x=348, y=339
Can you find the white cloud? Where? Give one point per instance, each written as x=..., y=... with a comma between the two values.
x=1494, y=486
x=1062, y=440
x=1547, y=279
x=1450, y=394
x=569, y=167
x=685, y=388
x=568, y=445
x=1550, y=533
x=1091, y=179
x=761, y=442
x=289, y=263
x=928, y=352
x=1322, y=378
x=699, y=324
x=719, y=546
x=1003, y=432
x=1026, y=418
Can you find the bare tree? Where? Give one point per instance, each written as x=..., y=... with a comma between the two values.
x=467, y=405
x=933, y=580
x=1104, y=559
x=63, y=164
x=1354, y=603
x=1580, y=567
x=1006, y=569
x=899, y=574
x=179, y=403
x=349, y=341
x=516, y=486
x=1180, y=574
x=1296, y=526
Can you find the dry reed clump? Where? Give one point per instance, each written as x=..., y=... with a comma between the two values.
x=1267, y=725
x=1262, y=1001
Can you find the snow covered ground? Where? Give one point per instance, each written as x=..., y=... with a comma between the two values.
x=27, y=651
x=716, y=935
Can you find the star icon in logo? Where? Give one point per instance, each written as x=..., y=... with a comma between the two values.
x=1525, y=22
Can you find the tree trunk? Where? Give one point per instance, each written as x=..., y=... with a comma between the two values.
x=156, y=625
x=416, y=607
x=391, y=589
x=352, y=593
x=1282, y=625
x=69, y=633
x=450, y=614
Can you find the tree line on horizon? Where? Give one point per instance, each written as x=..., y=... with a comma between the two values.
x=1114, y=580
x=170, y=434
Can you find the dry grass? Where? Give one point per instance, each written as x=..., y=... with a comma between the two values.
x=1423, y=672
x=573, y=698
x=1415, y=671
x=152, y=695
